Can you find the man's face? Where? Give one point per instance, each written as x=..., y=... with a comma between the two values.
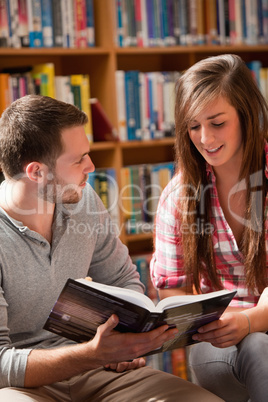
x=68, y=179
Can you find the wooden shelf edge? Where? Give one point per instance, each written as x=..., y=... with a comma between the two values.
x=192, y=49
x=57, y=51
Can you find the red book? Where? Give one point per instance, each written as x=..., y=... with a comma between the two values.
x=103, y=129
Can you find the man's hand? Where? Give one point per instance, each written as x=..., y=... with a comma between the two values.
x=124, y=366
x=119, y=351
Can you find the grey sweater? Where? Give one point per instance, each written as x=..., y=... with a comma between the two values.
x=33, y=272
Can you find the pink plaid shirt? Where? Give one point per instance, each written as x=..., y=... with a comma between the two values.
x=167, y=265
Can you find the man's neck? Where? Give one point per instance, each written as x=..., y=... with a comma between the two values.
x=22, y=203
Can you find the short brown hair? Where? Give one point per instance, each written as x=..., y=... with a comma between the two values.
x=30, y=130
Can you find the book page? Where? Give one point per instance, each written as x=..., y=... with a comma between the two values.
x=174, y=301
x=126, y=294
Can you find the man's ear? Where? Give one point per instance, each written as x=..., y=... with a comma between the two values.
x=35, y=171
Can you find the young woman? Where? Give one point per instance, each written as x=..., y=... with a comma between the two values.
x=211, y=224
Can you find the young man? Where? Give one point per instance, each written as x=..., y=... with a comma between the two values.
x=44, y=202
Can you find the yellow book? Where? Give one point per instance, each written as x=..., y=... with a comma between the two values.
x=80, y=85
x=48, y=70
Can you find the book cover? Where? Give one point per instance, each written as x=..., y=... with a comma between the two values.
x=103, y=129
x=84, y=305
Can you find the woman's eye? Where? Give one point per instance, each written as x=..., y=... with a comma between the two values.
x=218, y=124
x=194, y=127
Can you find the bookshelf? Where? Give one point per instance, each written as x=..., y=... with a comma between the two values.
x=101, y=62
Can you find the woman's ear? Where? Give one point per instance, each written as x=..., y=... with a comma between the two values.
x=35, y=171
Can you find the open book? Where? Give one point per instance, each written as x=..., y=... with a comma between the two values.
x=84, y=305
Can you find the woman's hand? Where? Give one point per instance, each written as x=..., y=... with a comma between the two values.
x=229, y=330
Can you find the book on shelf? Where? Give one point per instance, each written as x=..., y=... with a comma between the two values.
x=47, y=23
x=103, y=181
x=145, y=104
x=47, y=71
x=80, y=85
x=90, y=23
x=84, y=305
x=103, y=129
x=141, y=187
x=34, y=13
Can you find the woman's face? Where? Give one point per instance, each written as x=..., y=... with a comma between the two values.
x=216, y=133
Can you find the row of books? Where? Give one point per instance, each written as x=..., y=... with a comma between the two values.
x=260, y=74
x=174, y=361
x=41, y=80
x=141, y=187
x=47, y=23
x=146, y=23
x=145, y=104
x=104, y=182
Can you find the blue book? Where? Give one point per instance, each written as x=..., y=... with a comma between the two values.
x=132, y=102
x=150, y=12
x=35, y=23
x=120, y=30
x=47, y=23
x=255, y=66
x=90, y=23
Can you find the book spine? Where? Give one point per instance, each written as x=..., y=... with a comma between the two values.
x=70, y=23
x=130, y=106
x=183, y=22
x=49, y=70
x=35, y=23
x=200, y=22
x=23, y=23
x=252, y=22
x=260, y=22
x=14, y=23
x=4, y=30
x=265, y=20
x=119, y=23
x=90, y=23
x=80, y=23
x=57, y=23
x=5, y=99
x=121, y=105
x=47, y=23
x=221, y=22
x=113, y=194
x=138, y=17
x=144, y=23
x=149, y=10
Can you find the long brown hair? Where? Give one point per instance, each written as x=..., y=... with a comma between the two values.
x=229, y=77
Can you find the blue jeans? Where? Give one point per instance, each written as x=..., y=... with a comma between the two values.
x=236, y=374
